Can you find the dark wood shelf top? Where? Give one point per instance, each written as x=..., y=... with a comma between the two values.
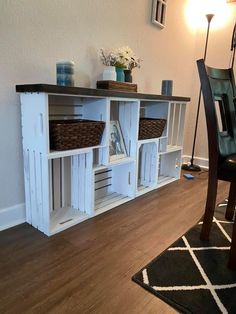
x=82, y=91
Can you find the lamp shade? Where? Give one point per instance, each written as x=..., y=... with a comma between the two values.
x=212, y=6
x=196, y=11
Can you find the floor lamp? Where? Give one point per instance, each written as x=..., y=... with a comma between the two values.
x=233, y=46
x=190, y=166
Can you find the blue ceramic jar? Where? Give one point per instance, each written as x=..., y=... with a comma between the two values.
x=167, y=87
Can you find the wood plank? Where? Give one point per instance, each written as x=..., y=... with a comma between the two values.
x=88, y=268
x=81, y=91
x=118, y=86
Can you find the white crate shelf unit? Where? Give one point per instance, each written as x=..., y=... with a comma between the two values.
x=66, y=187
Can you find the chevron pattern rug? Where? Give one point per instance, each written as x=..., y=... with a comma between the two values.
x=191, y=275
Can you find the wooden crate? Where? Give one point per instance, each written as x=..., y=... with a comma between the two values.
x=118, y=86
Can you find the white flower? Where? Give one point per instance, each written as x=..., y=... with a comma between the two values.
x=127, y=57
x=123, y=57
x=107, y=57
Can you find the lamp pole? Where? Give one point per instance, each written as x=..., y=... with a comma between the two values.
x=190, y=166
x=233, y=45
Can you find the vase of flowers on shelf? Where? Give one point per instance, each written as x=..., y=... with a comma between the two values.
x=108, y=59
x=120, y=64
x=122, y=61
x=131, y=62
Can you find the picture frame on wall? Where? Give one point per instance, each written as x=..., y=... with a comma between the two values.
x=159, y=12
x=117, y=148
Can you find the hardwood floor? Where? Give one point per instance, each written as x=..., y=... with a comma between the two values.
x=88, y=268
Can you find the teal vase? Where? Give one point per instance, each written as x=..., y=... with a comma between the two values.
x=120, y=75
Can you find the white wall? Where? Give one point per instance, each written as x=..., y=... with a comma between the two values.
x=36, y=34
x=218, y=55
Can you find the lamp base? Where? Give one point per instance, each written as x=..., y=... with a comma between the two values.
x=191, y=167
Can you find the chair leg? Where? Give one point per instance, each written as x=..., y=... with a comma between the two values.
x=229, y=215
x=232, y=253
x=210, y=208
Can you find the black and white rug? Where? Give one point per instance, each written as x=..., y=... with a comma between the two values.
x=191, y=275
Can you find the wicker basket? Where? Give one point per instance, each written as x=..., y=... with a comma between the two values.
x=72, y=134
x=150, y=128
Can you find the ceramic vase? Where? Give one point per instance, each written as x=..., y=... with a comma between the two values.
x=109, y=73
x=128, y=76
x=120, y=75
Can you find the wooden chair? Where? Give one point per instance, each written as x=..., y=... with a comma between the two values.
x=218, y=89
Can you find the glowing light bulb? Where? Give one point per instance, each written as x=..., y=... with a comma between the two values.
x=196, y=10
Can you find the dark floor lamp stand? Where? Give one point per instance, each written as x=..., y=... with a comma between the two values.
x=190, y=166
x=233, y=46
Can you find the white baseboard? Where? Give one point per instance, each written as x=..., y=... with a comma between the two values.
x=12, y=216
x=202, y=162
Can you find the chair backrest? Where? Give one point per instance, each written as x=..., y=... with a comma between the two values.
x=218, y=89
